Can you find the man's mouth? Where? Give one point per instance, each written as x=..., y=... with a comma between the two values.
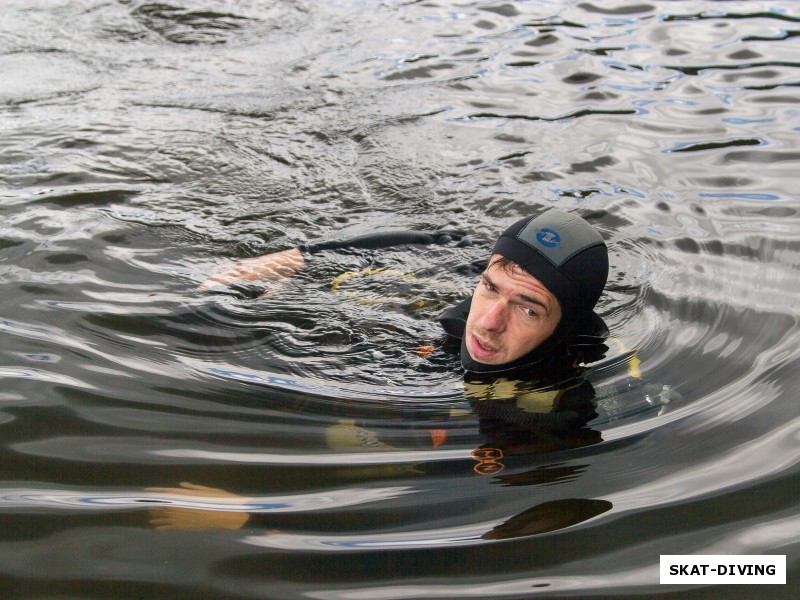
x=480, y=349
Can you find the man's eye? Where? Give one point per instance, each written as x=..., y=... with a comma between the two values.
x=489, y=287
x=529, y=312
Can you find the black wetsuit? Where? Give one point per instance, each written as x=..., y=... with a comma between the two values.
x=388, y=239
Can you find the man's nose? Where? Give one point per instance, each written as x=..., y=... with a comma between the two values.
x=496, y=317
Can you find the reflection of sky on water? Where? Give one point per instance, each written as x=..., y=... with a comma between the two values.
x=463, y=535
x=36, y=499
x=539, y=519
x=579, y=576
x=354, y=458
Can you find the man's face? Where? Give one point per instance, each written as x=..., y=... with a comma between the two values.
x=511, y=314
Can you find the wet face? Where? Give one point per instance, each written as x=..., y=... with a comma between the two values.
x=512, y=313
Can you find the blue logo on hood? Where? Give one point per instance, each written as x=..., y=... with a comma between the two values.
x=548, y=238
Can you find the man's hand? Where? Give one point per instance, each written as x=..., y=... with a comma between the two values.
x=174, y=518
x=270, y=267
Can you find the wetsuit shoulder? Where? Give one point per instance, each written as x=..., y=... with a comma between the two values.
x=454, y=319
x=593, y=331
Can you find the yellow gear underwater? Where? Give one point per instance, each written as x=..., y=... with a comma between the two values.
x=363, y=296
x=347, y=435
x=633, y=357
x=528, y=398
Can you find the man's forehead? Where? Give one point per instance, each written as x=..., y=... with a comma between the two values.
x=517, y=273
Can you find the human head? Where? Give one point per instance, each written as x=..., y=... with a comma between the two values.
x=558, y=261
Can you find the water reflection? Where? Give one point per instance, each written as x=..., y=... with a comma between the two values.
x=517, y=419
x=543, y=518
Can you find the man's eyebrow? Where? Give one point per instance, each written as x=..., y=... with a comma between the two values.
x=535, y=301
x=522, y=297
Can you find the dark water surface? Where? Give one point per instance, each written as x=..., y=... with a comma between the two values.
x=144, y=144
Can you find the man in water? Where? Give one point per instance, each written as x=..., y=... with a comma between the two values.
x=531, y=310
x=534, y=302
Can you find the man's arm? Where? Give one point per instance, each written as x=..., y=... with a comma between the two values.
x=269, y=267
x=278, y=265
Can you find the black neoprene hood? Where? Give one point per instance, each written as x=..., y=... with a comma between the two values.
x=568, y=256
x=565, y=253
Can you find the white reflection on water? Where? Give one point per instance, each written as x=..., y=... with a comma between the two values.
x=466, y=534
x=312, y=386
x=42, y=375
x=758, y=459
x=355, y=458
x=91, y=500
